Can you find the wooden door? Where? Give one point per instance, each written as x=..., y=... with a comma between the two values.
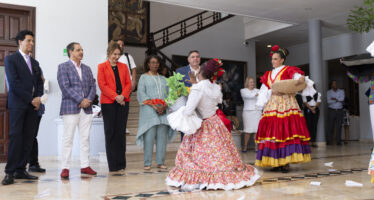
x=12, y=19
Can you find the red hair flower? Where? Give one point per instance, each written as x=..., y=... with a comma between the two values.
x=274, y=49
x=218, y=61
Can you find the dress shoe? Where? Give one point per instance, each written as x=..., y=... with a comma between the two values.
x=8, y=179
x=65, y=174
x=24, y=175
x=88, y=170
x=36, y=168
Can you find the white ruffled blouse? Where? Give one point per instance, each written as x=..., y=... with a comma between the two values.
x=265, y=93
x=204, y=97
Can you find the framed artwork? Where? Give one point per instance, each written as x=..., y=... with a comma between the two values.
x=233, y=79
x=128, y=20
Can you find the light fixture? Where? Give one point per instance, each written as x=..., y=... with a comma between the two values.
x=268, y=46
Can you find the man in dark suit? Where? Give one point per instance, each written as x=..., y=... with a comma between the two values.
x=193, y=67
x=25, y=88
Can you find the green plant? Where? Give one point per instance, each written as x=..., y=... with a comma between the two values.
x=176, y=88
x=361, y=18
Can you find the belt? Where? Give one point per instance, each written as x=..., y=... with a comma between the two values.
x=335, y=109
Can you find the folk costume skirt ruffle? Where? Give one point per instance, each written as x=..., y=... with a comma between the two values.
x=282, y=133
x=209, y=159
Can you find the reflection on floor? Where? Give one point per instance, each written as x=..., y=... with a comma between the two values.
x=349, y=163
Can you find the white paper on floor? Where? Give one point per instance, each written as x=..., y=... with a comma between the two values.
x=332, y=170
x=316, y=183
x=43, y=194
x=350, y=183
x=329, y=164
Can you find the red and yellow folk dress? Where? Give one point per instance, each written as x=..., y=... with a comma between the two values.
x=282, y=133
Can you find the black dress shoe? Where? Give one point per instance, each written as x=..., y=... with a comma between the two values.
x=8, y=179
x=24, y=175
x=36, y=168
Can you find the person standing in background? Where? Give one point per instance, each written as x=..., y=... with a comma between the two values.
x=153, y=124
x=34, y=165
x=23, y=76
x=192, y=67
x=311, y=113
x=335, y=100
x=115, y=85
x=251, y=113
x=129, y=61
x=78, y=90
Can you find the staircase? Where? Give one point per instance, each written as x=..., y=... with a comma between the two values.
x=178, y=31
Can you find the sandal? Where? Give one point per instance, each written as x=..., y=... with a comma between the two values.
x=162, y=167
x=147, y=168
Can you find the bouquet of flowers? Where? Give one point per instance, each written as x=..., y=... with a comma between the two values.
x=178, y=92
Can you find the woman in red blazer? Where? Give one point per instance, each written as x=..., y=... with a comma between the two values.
x=115, y=85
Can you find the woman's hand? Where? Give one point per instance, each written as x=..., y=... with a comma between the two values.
x=301, y=80
x=120, y=99
x=162, y=109
x=192, y=76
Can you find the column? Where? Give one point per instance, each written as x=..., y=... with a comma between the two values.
x=251, y=62
x=318, y=72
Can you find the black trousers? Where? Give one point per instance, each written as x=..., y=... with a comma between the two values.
x=312, y=122
x=33, y=159
x=115, y=121
x=335, y=120
x=22, y=127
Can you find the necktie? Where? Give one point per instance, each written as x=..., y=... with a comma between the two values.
x=28, y=61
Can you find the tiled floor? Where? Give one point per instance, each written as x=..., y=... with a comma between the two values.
x=350, y=163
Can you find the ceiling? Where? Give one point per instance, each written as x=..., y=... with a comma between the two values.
x=332, y=13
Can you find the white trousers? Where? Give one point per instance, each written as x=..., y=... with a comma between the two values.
x=71, y=122
x=371, y=107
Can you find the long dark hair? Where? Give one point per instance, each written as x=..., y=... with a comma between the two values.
x=148, y=58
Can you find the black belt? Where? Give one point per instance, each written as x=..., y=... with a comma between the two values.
x=335, y=109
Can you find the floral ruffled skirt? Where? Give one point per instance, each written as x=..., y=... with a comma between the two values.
x=209, y=159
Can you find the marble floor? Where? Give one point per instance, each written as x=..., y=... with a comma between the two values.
x=349, y=163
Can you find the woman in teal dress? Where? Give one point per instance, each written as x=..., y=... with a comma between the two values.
x=153, y=123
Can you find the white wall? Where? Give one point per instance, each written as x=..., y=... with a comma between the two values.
x=57, y=24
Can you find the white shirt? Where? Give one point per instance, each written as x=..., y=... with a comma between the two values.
x=123, y=59
x=78, y=68
x=339, y=95
x=23, y=55
x=312, y=102
x=195, y=72
x=249, y=98
x=204, y=96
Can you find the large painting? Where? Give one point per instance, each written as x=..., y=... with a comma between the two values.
x=233, y=79
x=129, y=20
